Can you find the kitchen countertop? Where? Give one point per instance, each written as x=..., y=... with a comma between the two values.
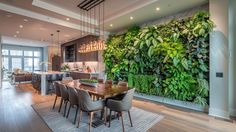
x=85, y=72
x=48, y=73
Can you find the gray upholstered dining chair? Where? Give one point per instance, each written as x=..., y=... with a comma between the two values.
x=64, y=97
x=121, y=105
x=57, y=92
x=73, y=100
x=87, y=105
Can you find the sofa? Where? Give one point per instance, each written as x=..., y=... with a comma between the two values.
x=21, y=76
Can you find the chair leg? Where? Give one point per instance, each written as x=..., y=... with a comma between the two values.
x=68, y=111
x=102, y=114
x=80, y=117
x=109, y=119
x=122, y=120
x=130, y=119
x=90, y=121
x=54, y=103
x=60, y=105
x=105, y=116
x=77, y=109
x=118, y=116
x=65, y=108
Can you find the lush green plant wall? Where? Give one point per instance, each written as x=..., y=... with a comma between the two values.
x=170, y=60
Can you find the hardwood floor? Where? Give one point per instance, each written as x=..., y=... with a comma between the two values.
x=17, y=115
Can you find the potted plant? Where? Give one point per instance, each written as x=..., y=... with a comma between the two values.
x=89, y=82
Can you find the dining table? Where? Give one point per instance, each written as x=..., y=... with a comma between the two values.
x=101, y=91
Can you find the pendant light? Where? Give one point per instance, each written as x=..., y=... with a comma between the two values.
x=88, y=7
x=58, y=32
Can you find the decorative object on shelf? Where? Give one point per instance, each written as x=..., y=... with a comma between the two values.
x=89, y=9
x=89, y=82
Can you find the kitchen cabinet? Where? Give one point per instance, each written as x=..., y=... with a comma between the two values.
x=70, y=52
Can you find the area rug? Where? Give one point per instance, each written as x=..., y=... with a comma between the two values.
x=142, y=120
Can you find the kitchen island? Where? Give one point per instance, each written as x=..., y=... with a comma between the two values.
x=45, y=80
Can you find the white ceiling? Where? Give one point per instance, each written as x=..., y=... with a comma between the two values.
x=46, y=16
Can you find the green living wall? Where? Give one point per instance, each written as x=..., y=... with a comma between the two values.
x=169, y=60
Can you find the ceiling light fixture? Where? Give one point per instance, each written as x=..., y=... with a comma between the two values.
x=58, y=40
x=25, y=20
x=15, y=36
x=21, y=26
x=131, y=18
x=17, y=32
x=111, y=25
x=158, y=9
x=93, y=8
x=68, y=19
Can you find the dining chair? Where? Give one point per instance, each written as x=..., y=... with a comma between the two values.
x=87, y=105
x=57, y=92
x=73, y=100
x=64, y=97
x=120, y=106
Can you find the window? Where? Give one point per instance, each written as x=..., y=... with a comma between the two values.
x=36, y=54
x=5, y=52
x=28, y=64
x=5, y=62
x=28, y=53
x=24, y=58
x=36, y=64
x=16, y=52
x=16, y=63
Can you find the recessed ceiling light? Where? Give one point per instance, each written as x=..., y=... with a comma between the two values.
x=111, y=25
x=131, y=18
x=158, y=9
x=21, y=26
x=15, y=36
x=68, y=19
x=17, y=32
x=26, y=20
x=67, y=35
x=8, y=15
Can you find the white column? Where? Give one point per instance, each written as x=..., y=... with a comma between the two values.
x=232, y=57
x=0, y=62
x=43, y=84
x=219, y=59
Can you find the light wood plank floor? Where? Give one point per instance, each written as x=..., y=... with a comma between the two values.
x=17, y=115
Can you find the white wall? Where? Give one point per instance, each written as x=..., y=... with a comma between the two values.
x=219, y=105
x=232, y=57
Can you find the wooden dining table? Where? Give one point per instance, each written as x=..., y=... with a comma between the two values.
x=102, y=90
